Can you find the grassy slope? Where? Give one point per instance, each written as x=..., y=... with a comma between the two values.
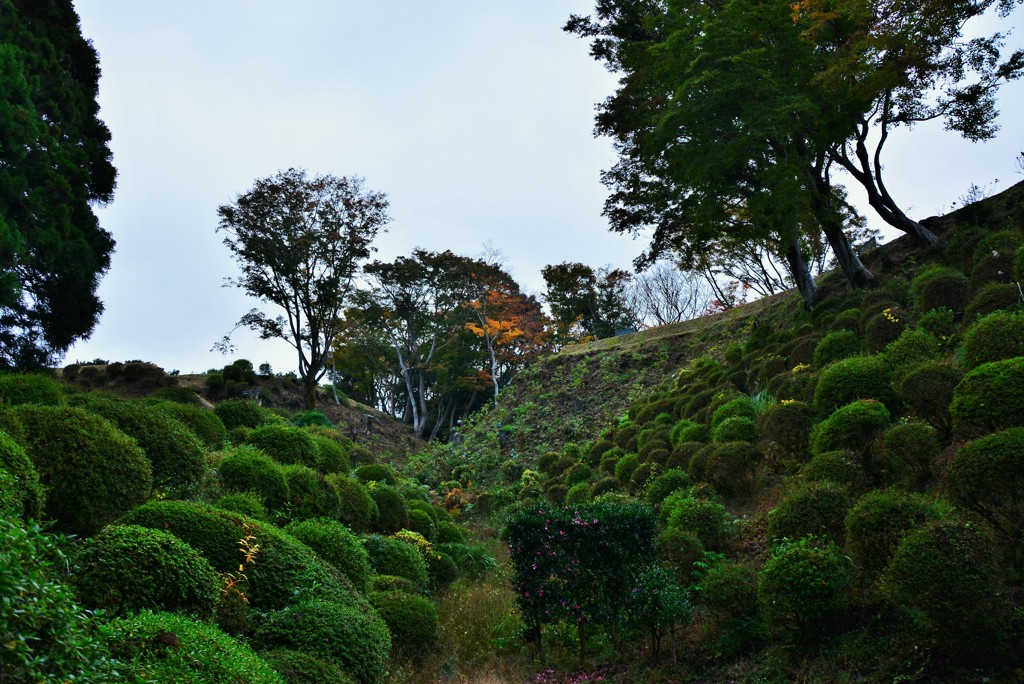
x=573, y=396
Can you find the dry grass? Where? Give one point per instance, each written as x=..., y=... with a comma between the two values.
x=478, y=638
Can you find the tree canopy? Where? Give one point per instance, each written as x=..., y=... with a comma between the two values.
x=730, y=116
x=55, y=163
x=299, y=242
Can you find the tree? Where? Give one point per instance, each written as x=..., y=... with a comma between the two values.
x=730, y=116
x=571, y=298
x=666, y=294
x=886, y=64
x=417, y=302
x=511, y=327
x=55, y=163
x=299, y=241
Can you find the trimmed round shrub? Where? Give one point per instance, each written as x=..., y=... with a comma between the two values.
x=697, y=469
x=625, y=467
x=689, y=431
x=394, y=583
x=296, y=667
x=908, y=451
x=332, y=457
x=285, y=444
x=989, y=398
x=164, y=647
x=337, y=545
x=995, y=337
x=127, y=568
x=848, y=319
x=451, y=533
x=788, y=424
x=709, y=520
x=47, y=636
x=816, y=509
x=30, y=388
x=735, y=429
x=603, y=486
x=861, y=377
x=577, y=474
x=740, y=407
x=412, y=621
x=25, y=493
x=991, y=298
x=441, y=569
x=794, y=385
x=312, y=417
x=390, y=556
x=913, y=347
x=945, y=580
x=356, y=508
x=731, y=466
x=392, y=514
x=360, y=455
x=940, y=286
x=802, y=589
x=177, y=457
x=1018, y=264
x=682, y=549
x=987, y=477
x=927, y=391
x=884, y=328
x=246, y=469
x=877, y=523
x=285, y=570
x=834, y=466
x=203, y=422
x=838, y=345
x=236, y=413
x=421, y=523
x=993, y=258
x=661, y=486
x=358, y=640
x=248, y=504
x=375, y=472
x=855, y=427
x=940, y=323
x=729, y=592
x=91, y=471
x=641, y=477
x=309, y=494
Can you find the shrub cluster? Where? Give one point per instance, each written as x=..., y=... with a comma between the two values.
x=357, y=640
x=127, y=568
x=91, y=471
x=164, y=647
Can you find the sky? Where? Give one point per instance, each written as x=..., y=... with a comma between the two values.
x=474, y=117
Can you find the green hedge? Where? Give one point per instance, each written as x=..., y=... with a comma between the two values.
x=356, y=639
x=861, y=377
x=337, y=545
x=285, y=444
x=163, y=647
x=803, y=589
x=412, y=620
x=285, y=571
x=31, y=388
x=91, y=471
x=989, y=398
x=987, y=477
x=390, y=556
x=177, y=456
x=944, y=579
x=247, y=469
x=127, y=568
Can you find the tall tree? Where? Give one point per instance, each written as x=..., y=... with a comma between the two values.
x=299, y=241
x=571, y=298
x=55, y=163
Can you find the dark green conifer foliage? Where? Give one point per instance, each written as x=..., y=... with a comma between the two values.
x=55, y=163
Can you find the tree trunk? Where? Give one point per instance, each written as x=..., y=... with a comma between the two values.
x=856, y=272
x=801, y=273
x=309, y=400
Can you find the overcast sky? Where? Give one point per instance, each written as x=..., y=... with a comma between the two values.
x=474, y=117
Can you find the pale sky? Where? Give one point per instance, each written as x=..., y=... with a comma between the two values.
x=474, y=117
